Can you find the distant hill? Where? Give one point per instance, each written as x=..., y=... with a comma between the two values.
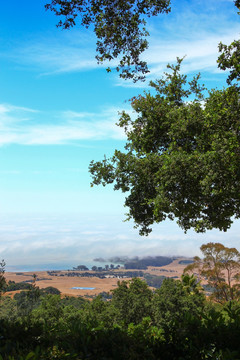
x=137, y=262
x=157, y=261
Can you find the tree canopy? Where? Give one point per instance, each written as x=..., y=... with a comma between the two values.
x=181, y=159
x=119, y=27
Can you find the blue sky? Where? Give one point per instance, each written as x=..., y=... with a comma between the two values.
x=58, y=110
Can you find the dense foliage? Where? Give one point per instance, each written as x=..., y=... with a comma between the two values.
x=173, y=322
x=181, y=159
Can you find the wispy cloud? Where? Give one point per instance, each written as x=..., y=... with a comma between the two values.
x=53, y=58
x=65, y=52
x=69, y=52
x=30, y=127
x=193, y=28
x=201, y=53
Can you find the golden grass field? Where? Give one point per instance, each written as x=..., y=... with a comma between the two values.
x=65, y=283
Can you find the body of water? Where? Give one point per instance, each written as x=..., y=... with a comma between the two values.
x=50, y=267
x=83, y=288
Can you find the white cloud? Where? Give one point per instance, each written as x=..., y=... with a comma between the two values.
x=201, y=53
x=7, y=108
x=65, y=52
x=13, y=114
x=29, y=127
x=69, y=240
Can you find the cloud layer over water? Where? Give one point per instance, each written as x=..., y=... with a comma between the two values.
x=68, y=240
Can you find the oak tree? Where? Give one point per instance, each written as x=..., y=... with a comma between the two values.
x=181, y=159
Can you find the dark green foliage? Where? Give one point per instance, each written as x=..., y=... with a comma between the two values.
x=81, y=268
x=105, y=295
x=8, y=309
x=132, y=299
x=230, y=59
x=13, y=286
x=119, y=27
x=27, y=300
x=174, y=322
x=172, y=304
x=73, y=301
x=154, y=281
x=50, y=290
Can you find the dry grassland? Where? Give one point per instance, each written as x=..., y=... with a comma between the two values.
x=66, y=283
x=173, y=269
